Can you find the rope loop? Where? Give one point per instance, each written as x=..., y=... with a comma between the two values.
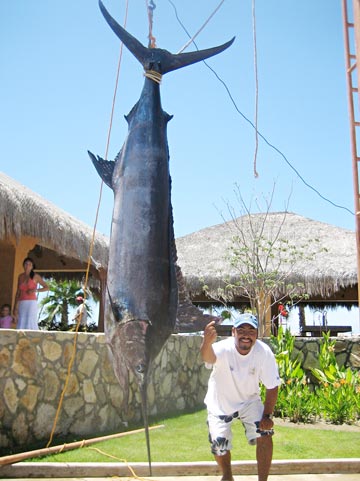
x=153, y=75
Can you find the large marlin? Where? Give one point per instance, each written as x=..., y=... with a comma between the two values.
x=141, y=295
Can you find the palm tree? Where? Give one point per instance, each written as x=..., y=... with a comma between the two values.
x=55, y=305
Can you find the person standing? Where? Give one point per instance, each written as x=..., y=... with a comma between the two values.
x=26, y=306
x=81, y=313
x=239, y=364
x=6, y=319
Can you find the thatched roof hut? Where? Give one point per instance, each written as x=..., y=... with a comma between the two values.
x=328, y=275
x=23, y=213
x=58, y=242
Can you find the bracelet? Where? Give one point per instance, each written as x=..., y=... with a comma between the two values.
x=267, y=416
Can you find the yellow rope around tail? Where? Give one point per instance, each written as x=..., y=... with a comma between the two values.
x=153, y=75
x=73, y=354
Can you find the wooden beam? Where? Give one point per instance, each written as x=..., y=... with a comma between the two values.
x=15, y=458
x=51, y=271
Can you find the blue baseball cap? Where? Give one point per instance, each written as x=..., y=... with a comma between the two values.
x=246, y=319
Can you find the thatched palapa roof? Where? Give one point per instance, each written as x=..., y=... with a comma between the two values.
x=25, y=213
x=204, y=255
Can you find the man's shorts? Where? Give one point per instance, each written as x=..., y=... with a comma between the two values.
x=220, y=432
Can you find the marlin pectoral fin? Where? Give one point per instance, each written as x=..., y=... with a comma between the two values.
x=105, y=168
x=164, y=60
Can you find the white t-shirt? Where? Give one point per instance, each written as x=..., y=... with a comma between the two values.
x=235, y=378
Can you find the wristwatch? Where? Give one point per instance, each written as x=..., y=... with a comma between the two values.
x=268, y=416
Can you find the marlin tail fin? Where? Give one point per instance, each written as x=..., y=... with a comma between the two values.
x=155, y=58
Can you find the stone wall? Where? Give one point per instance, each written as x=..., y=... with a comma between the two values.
x=347, y=351
x=33, y=373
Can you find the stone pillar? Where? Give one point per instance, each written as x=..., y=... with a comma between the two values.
x=302, y=321
x=103, y=279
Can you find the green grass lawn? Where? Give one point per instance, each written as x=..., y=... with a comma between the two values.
x=184, y=439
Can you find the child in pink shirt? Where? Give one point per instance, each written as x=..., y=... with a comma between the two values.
x=6, y=319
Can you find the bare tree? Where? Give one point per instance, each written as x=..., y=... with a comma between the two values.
x=264, y=260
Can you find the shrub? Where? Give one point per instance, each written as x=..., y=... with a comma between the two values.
x=296, y=400
x=336, y=397
x=338, y=390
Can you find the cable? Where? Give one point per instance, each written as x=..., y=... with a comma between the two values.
x=201, y=28
x=256, y=89
x=254, y=127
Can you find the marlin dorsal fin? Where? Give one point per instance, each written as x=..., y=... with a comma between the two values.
x=105, y=168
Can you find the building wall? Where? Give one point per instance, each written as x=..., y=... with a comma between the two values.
x=12, y=254
x=33, y=373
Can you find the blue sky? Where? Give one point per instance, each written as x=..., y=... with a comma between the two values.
x=59, y=60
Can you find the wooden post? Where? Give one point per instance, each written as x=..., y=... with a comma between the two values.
x=356, y=8
x=356, y=13
x=353, y=62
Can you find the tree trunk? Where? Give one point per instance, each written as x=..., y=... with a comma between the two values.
x=302, y=321
x=64, y=315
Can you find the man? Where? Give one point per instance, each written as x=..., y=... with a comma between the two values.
x=239, y=364
x=81, y=313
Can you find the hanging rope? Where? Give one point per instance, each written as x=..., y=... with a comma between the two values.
x=73, y=354
x=116, y=87
x=133, y=474
x=150, y=6
x=256, y=89
x=201, y=28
